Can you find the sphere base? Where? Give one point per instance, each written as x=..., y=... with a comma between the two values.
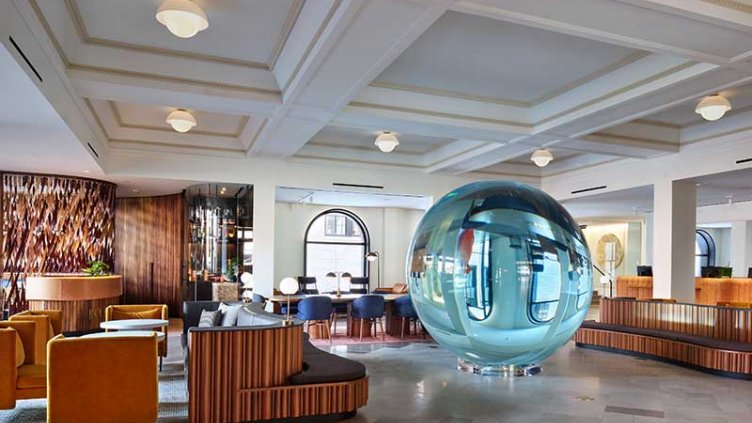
x=498, y=370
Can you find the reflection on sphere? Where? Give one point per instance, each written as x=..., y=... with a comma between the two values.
x=499, y=273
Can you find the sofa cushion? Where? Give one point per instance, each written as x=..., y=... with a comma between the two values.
x=704, y=341
x=31, y=376
x=155, y=313
x=208, y=318
x=229, y=314
x=254, y=315
x=20, y=353
x=322, y=367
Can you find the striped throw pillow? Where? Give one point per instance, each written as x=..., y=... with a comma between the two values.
x=208, y=319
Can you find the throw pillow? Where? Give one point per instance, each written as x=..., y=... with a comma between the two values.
x=20, y=354
x=154, y=313
x=208, y=319
x=252, y=315
x=229, y=314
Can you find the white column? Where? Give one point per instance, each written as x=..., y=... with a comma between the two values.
x=647, y=240
x=263, y=238
x=741, y=247
x=674, y=221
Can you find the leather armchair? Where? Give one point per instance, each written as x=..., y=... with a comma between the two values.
x=104, y=380
x=27, y=380
x=140, y=311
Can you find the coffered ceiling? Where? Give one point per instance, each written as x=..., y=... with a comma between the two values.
x=467, y=85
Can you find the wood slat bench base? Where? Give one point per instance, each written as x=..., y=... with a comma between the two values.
x=721, y=362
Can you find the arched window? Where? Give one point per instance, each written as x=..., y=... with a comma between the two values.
x=336, y=241
x=704, y=251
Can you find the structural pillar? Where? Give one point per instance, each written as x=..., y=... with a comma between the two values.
x=674, y=225
x=741, y=247
x=264, y=196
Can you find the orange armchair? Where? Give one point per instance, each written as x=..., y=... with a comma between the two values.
x=140, y=311
x=49, y=324
x=104, y=380
x=28, y=380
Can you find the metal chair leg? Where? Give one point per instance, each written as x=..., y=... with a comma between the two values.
x=361, y=330
x=402, y=327
x=160, y=363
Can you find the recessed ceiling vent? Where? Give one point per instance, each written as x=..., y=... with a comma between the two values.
x=342, y=184
x=93, y=150
x=580, y=191
x=26, y=59
x=747, y=160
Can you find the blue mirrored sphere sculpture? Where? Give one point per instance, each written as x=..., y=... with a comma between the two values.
x=500, y=274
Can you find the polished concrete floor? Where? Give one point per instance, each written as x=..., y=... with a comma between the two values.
x=419, y=383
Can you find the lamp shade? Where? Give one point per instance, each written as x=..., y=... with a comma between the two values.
x=331, y=275
x=346, y=275
x=713, y=107
x=289, y=286
x=183, y=18
x=542, y=157
x=247, y=279
x=181, y=120
x=386, y=142
x=372, y=256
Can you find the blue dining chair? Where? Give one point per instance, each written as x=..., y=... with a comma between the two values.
x=404, y=310
x=369, y=308
x=316, y=311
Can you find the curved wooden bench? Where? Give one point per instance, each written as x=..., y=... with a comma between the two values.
x=240, y=374
x=721, y=357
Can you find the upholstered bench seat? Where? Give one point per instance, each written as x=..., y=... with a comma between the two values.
x=322, y=367
x=703, y=341
x=718, y=356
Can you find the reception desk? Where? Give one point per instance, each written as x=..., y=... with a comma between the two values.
x=708, y=291
x=82, y=299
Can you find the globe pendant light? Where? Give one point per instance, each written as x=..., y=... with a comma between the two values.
x=181, y=120
x=542, y=157
x=713, y=107
x=386, y=142
x=182, y=17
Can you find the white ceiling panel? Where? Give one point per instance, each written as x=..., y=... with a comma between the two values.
x=479, y=56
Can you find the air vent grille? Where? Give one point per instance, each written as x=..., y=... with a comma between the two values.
x=26, y=59
x=579, y=191
x=341, y=184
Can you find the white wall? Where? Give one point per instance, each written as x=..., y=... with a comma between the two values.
x=390, y=230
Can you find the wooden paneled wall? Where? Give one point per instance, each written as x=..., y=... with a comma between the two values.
x=732, y=324
x=53, y=224
x=149, y=249
x=708, y=291
x=238, y=375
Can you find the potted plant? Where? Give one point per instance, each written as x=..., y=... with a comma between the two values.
x=232, y=270
x=97, y=268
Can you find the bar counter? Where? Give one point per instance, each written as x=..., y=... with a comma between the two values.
x=709, y=291
x=82, y=299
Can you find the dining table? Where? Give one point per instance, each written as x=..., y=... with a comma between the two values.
x=393, y=325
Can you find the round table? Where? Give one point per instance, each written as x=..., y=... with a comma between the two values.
x=134, y=324
x=137, y=333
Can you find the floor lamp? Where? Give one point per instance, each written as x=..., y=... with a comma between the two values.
x=373, y=256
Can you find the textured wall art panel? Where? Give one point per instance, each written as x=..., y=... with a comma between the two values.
x=53, y=224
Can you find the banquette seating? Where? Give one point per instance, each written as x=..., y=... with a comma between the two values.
x=713, y=339
x=264, y=370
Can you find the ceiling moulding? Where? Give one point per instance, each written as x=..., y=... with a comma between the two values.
x=81, y=30
x=731, y=4
x=236, y=134
x=631, y=58
x=440, y=115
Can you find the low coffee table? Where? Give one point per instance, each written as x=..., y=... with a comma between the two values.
x=129, y=326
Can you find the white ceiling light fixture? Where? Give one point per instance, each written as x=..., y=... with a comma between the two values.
x=182, y=17
x=713, y=107
x=181, y=120
x=386, y=142
x=541, y=157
